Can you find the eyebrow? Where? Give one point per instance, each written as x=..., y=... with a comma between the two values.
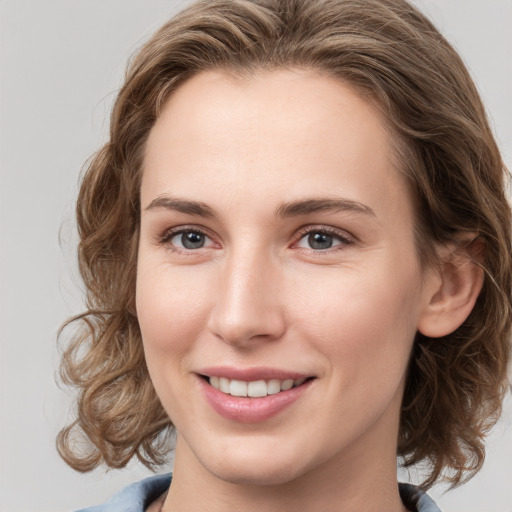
x=182, y=206
x=291, y=209
x=329, y=205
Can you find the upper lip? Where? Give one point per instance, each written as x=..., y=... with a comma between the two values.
x=251, y=374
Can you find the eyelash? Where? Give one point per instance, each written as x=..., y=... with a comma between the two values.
x=343, y=238
x=171, y=233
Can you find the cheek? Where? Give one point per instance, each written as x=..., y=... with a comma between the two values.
x=170, y=317
x=363, y=322
x=170, y=308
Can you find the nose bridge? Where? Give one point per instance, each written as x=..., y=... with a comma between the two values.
x=248, y=302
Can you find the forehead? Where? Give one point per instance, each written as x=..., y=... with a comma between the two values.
x=293, y=105
x=280, y=134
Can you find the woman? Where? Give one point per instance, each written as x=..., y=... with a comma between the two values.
x=296, y=247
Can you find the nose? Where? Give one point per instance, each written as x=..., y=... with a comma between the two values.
x=248, y=308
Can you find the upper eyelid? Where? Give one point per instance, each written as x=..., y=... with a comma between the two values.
x=171, y=232
x=331, y=230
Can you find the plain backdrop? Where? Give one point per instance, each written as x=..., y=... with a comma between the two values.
x=61, y=62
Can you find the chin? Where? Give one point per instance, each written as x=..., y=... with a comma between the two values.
x=259, y=466
x=266, y=473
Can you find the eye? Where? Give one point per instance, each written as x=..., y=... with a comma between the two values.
x=187, y=240
x=322, y=239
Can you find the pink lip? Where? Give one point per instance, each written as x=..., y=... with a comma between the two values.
x=250, y=374
x=250, y=410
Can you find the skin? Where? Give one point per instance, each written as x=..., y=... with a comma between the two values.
x=257, y=294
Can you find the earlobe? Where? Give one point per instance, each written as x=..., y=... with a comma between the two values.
x=458, y=283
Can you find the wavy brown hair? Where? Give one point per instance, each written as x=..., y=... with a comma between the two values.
x=395, y=58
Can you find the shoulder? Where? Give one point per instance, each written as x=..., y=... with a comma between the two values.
x=136, y=497
x=416, y=500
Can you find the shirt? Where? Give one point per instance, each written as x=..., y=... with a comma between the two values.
x=139, y=495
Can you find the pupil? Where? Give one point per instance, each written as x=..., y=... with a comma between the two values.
x=192, y=240
x=320, y=241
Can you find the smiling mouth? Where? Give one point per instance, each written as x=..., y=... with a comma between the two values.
x=253, y=389
x=255, y=395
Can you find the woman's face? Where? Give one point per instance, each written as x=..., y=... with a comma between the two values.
x=277, y=250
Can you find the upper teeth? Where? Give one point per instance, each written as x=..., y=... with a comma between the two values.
x=253, y=389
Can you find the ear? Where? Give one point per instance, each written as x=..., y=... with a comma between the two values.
x=454, y=287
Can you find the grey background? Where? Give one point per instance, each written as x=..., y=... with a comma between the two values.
x=61, y=62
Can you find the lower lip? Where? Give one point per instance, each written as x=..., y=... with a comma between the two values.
x=251, y=410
